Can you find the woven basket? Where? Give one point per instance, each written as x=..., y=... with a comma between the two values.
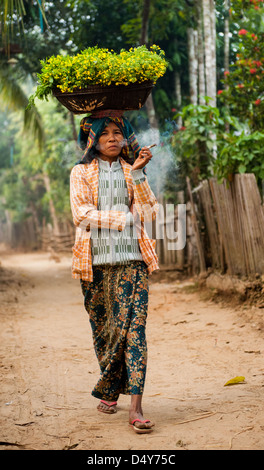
x=95, y=97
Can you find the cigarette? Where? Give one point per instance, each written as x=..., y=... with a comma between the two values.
x=150, y=146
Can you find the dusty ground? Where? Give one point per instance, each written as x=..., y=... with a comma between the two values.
x=48, y=367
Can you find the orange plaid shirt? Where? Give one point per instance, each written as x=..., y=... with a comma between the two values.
x=84, y=197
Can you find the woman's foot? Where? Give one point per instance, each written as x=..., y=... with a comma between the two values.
x=108, y=407
x=136, y=418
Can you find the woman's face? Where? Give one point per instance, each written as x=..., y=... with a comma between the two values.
x=110, y=142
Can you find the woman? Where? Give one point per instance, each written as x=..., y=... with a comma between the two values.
x=113, y=256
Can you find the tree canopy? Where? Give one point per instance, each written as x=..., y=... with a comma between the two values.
x=38, y=146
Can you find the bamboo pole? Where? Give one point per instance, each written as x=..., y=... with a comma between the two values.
x=196, y=229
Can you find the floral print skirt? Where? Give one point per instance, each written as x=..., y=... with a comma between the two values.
x=117, y=303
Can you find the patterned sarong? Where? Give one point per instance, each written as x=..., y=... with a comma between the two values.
x=117, y=303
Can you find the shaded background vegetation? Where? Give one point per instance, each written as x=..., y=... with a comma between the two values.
x=38, y=147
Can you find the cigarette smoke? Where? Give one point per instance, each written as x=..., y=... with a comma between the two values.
x=162, y=163
x=163, y=160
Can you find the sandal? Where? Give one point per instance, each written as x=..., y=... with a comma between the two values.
x=141, y=430
x=110, y=409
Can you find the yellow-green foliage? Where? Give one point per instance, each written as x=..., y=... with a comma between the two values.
x=98, y=66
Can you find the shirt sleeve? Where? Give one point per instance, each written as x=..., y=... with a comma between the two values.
x=145, y=201
x=138, y=176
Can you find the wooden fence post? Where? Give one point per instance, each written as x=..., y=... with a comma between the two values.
x=196, y=229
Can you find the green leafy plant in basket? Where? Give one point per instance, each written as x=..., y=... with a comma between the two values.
x=101, y=67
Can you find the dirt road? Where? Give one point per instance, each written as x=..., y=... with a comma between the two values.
x=195, y=346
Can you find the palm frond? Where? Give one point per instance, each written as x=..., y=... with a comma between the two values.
x=8, y=9
x=15, y=99
x=11, y=14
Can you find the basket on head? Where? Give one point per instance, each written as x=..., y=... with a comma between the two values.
x=96, y=97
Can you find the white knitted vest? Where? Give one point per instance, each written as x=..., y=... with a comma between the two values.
x=110, y=246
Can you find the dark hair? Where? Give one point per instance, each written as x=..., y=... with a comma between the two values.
x=89, y=155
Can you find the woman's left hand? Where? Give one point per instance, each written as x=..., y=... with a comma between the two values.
x=144, y=157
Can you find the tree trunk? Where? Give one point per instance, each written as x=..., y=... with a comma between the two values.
x=178, y=89
x=35, y=219
x=151, y=112
x=207, y=44
x=143, y=40
x=73, y=127
x=178, y=95
x=145, y=21
x=9, y=227
x=53, y=214
x=208, y=41
x=193, y=64
x=213, y=51
x=226, y=36
x=201, y=70
x=226, y=47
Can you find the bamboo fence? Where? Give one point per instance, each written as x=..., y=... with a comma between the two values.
x=224, y=230
x=240, y=218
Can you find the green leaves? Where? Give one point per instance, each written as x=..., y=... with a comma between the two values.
x=13, y=96
x=7, y=12
x=243, y=84
x=99, y=66
x=240, y=153
x=194, y=143
x=204, y=147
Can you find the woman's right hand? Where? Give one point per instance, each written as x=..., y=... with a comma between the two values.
x=143, y=158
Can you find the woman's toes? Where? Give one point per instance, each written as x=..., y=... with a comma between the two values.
x=107, y=407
